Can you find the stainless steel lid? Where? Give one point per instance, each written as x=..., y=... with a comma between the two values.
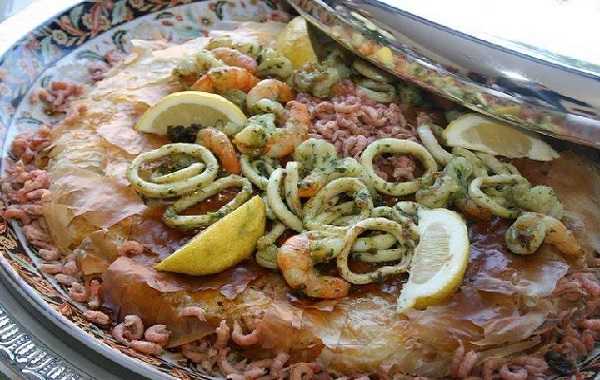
x=527, y=63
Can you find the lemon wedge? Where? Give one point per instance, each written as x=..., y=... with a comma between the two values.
x=294, y=43
x=222, y=245
x=439, y=262
x=476, y=132
x=190, y=107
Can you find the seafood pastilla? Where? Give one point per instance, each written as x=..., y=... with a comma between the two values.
x=348, y=161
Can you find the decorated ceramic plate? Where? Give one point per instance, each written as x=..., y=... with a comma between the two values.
x=213, y=189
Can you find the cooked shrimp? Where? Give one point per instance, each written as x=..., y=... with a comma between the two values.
x=293, y=133
x=531, y=229
x=97, y=317
x=218, y=143
x=133, y=327
x=193, y=311
x=78, y=292
x=268, y=96
x=262, y=137
x=223, y=334
x=158, y=334
x=222, y=79
x=144, y=347
x=297, y=266
x=235, y=58
x=238, y=336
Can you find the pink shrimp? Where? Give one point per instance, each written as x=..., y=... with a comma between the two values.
x=53, y=268
x=242, y=339
x=223, y=79
x=591, y=324
x=158, y=334
x=134, y=327
x=271, y=90
x=147, y=348
x=97, y=317
x=49, y=254
x=465, y=368
x=223, y=334
x=95, y=287
x=70, y=267
x=78, y=292
x=224, y=364
x=589, y=283
x=193, y=311
x=301, y=371
x=294, y=260
x=13, y=212
x=117, y=333
x=507, y=373
x=236, y=58
x=276, y=370
x=130, y=248
x=65, y=279
x=218, y=143
x=254, y=371
x=196, y=351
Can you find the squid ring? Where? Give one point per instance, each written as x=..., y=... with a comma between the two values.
x=172, y=215
x=250, y=170
x=485, y=201
x=276, y=202
x=180, y=183
x=181, y=174
x=497, y=166
x=380, y=224
x=391, y=145
x=334, y=169
x=290, y=185
x=430, y=142
x=266, y=250
x=319, y=203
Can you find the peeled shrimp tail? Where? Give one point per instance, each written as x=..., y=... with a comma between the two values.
x=219, y=144
x=531, y=229
x=271, y=91
x=236, y=58
x=297, y=267
x=285, y=140
x=222, y=79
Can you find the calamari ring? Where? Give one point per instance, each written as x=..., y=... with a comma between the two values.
x=181, y=174
x=178, y=187
x=377, y=91
x=314, y=153
x=318, y=204
x=382, y=243
x=266, y=250
x=172, y=215
x=430, y=142
x=290, y=185
x=485, y=201
x=497, y=166
x=391, y=145
x=380, y=224
x=277, y=205
x=334, y=169
x=250, y=170
x=479, y=168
